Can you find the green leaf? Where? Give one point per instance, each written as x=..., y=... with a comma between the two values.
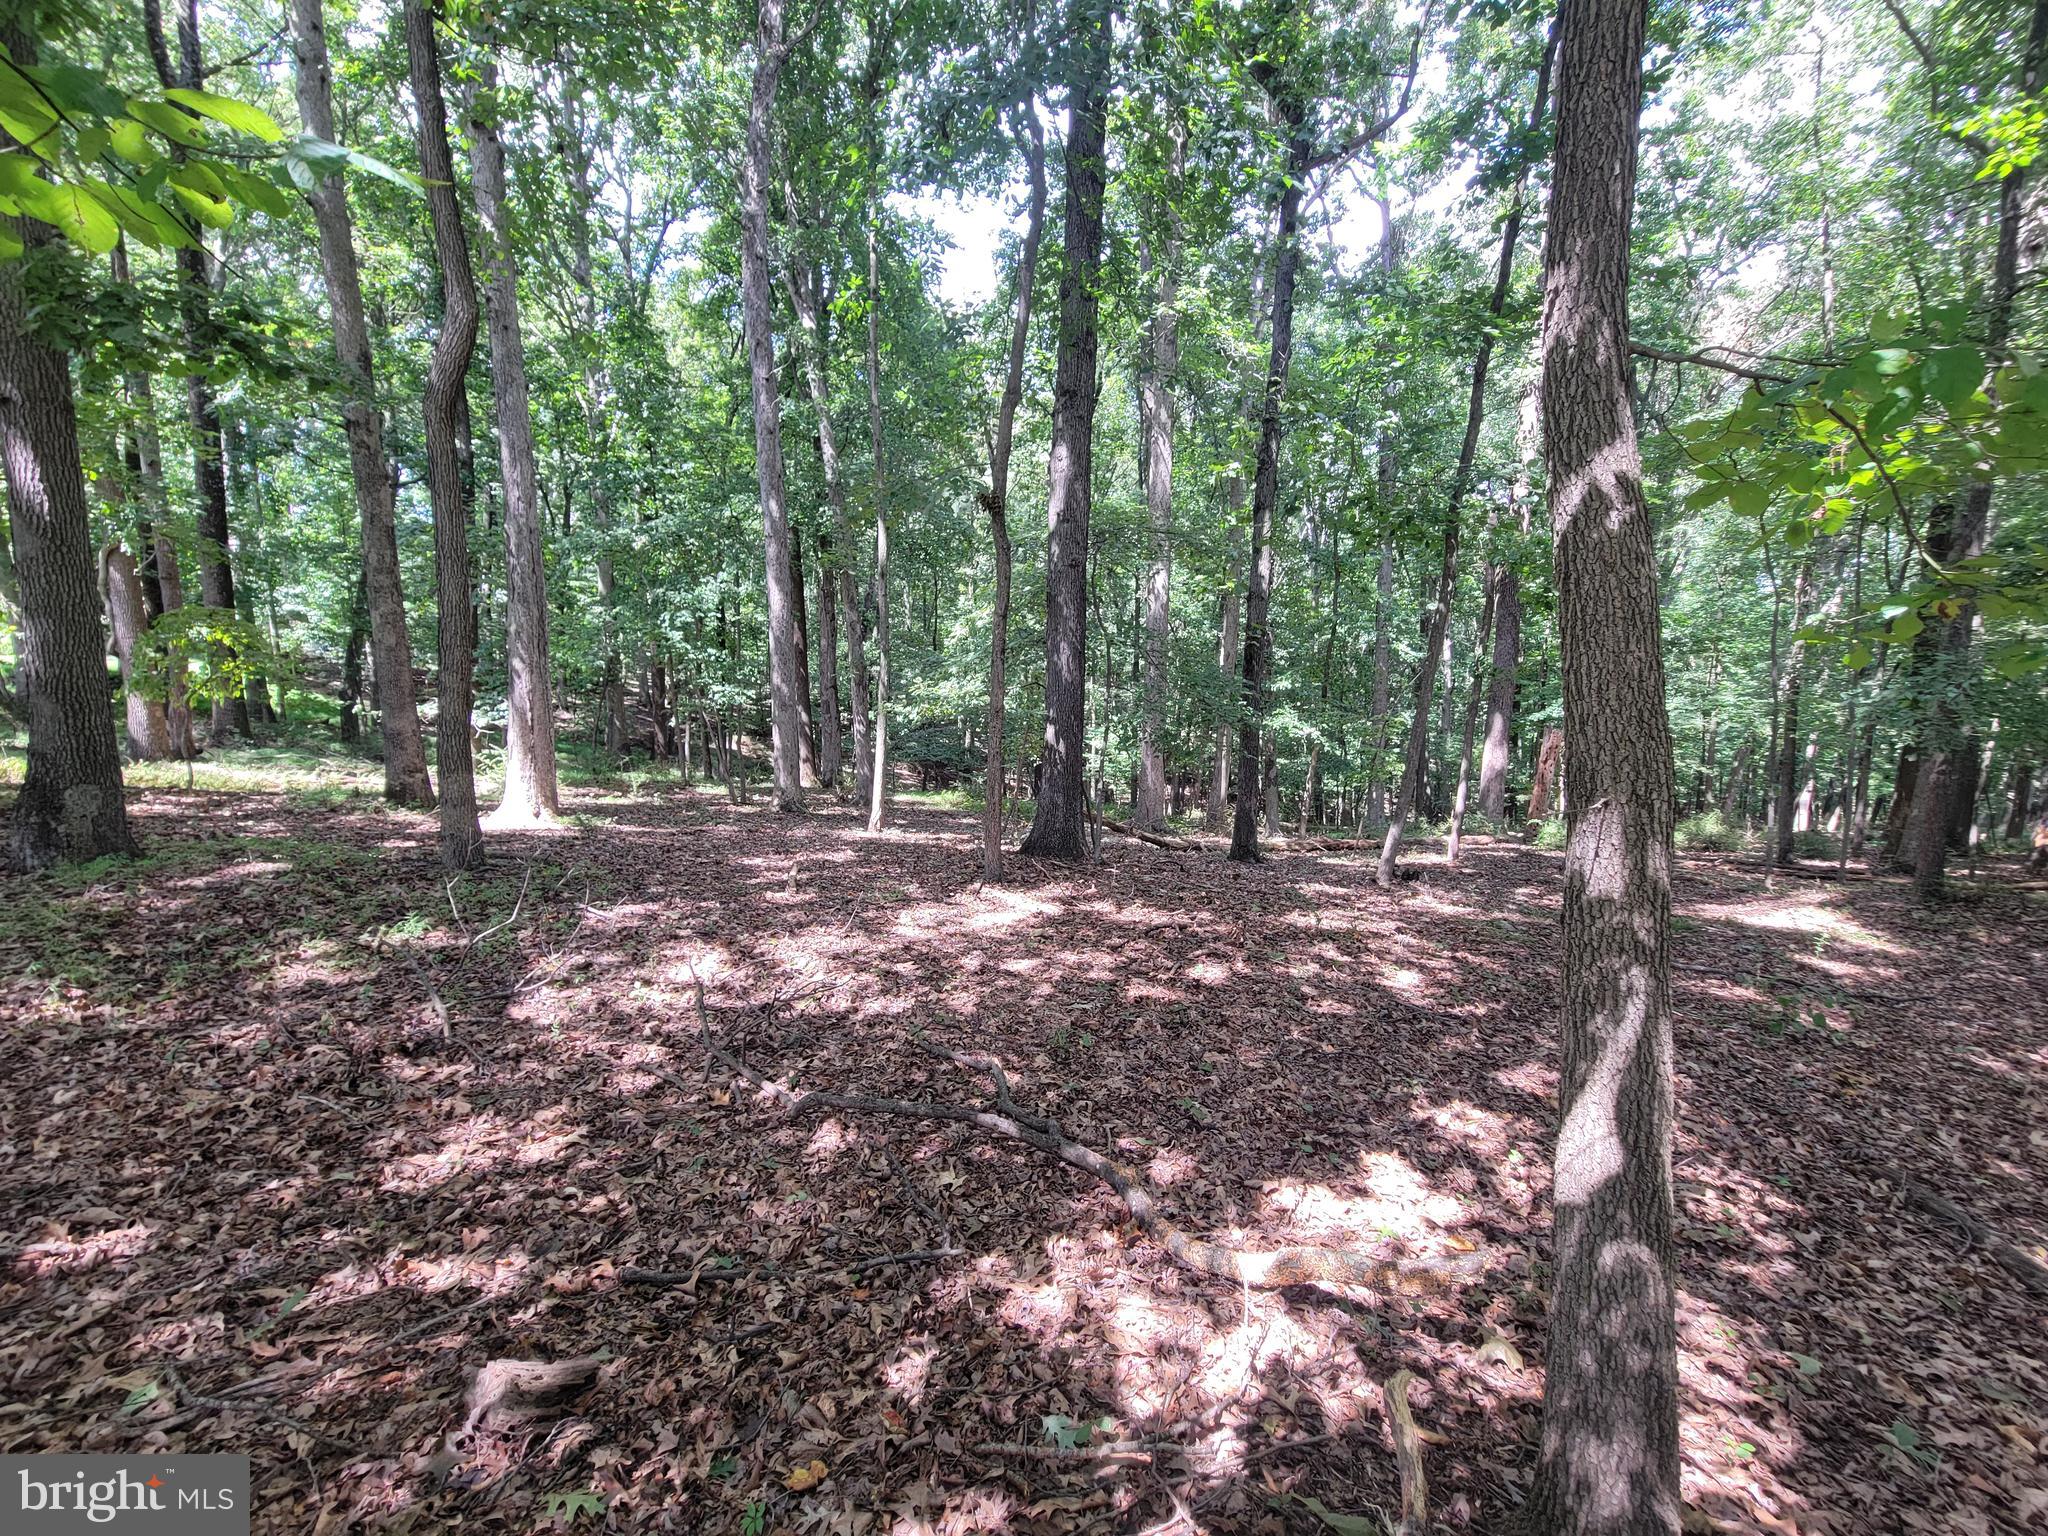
x=238, y=115
x=1904, y=628
x=77, y=213
x=1857, y=657
x=1808, y=1365
x=77, y=90
x=1343, y=1525
x=168, y=121
x=1953, y=374
x=10, y=244
x=1749, y=498
x=214, y=213
x=131, y=142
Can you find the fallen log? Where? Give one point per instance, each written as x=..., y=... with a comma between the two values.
x=1156, y=839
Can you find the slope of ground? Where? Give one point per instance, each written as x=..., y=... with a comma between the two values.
x=295, y=1136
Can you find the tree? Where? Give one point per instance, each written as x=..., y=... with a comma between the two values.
x=398, y=717
x=1609, y=1458
x=202, y=408
x=442, y=411
x=1031, y=138
x=70, y=805
x=1156, y=413
x=757, y=298
x=532, y=796
x=1059, y=827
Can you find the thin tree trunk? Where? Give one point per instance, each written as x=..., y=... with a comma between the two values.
x=1785, y=771
x=771, y=52
x=149, y=731
x=1226, y=660
x=1461, y=480
x=831, y=747
x=209, y=464
x=70, y=804
x=1488, y=614
x=808, y=299
x=1059, y=823
x=398, y=716
x=807, y=736
x=1156, y=414
x=878, y=779
x=1258, y=640
x=532, y=796
x=1031, y=137
x=1608, y=1465
x=461, y=838
x=348, y=727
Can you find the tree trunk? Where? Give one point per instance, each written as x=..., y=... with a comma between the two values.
x=149, y=730
x=807, y=736
x=1258, y=639
x=398, y=717
x=878, y=779
x=1500, y=696
x=1488, y=614
x=785, y=717
x=1156, y=416
x=808, y=298
x=1226, y=661
x=1031, y=137
x=2019, y=795
x=348, y=727
x=70, y=804
x=209, y=464
x=1609, y=1457
x=1785, y=771
x=1059, y=823
x=1375, y=810
x=461, y=837
x=831, y=747
x=1944, y=777
x=532, y=796
x=1461, y=480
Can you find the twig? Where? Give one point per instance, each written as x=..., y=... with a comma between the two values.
x=2030, y=1270
x=254, y=1410
x=1107, y=1450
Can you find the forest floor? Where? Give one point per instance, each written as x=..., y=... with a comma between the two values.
x=295, y=1137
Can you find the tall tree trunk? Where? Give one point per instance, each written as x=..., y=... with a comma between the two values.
x=1258, y=639
x=2019, y=795
x=441, y=414
x=1059, y=822
x=149, y=730
x=1375, y=810
x=1031, y=137
x=806, y=293
x=398, y=716
x=1156, y=415
x=195, y=303
x=1609, y=1457
x=348, y=728
x=1461, y=480
x=532, y=796
x=878, y=778
x=1942, y=776
x=771, y=52
x=70, y=805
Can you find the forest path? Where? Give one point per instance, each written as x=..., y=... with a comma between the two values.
x=250, y=1187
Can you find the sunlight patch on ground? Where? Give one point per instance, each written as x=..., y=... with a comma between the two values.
x=1809, y=919
x=1398, y=1203
x=64, y=1255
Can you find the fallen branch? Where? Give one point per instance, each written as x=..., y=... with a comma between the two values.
x=2030, y=1270
x=1407, y=1456
x=1108, y=1450
x=1264, y=1270
x=261, y=1411
x=1156, y=839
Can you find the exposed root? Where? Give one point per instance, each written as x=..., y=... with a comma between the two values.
x=1407, y=1456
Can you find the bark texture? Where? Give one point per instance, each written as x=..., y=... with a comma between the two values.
x=149, y=729
x=1156, y=417
x=1032, y=137
x=757, y=303
x=1059, y=823
x=442, y=413
x=1609, y=1457
x=398, y=715
x=532, y=795
x=70, y=804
